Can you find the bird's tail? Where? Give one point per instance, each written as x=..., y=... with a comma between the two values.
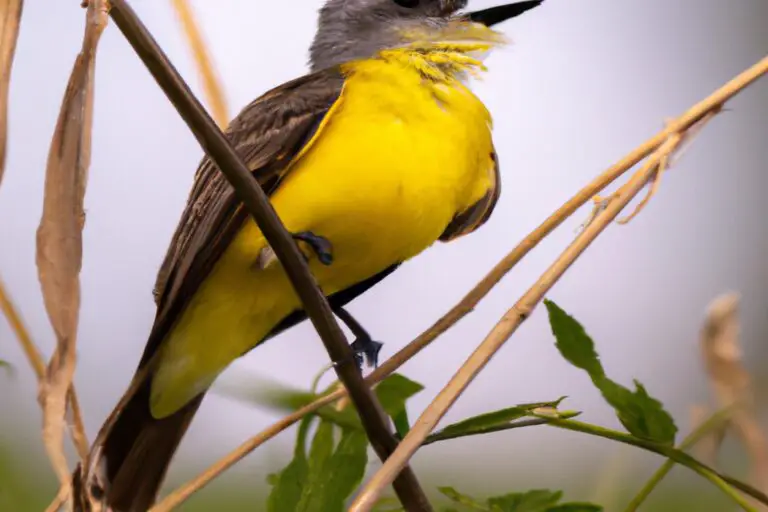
x=131, y=455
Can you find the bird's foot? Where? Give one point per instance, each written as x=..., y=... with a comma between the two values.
x=364, y=348
x=319, y=245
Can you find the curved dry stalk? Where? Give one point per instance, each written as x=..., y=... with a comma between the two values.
x=10, y=17
x=212, y=89
x=77, y=429
x=59, y=236
x=480, y=290
x=508, y=324
x=731, y=383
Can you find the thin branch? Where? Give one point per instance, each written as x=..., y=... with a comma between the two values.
x=211, y=84
x=10, y=19
x=256, y=202
x=725, y=483
x=714, y=422
x=471, y=299
x=530, y=422
x=19, y=329
x=77, y=427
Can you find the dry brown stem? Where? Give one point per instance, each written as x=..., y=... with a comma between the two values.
x=730, y=381
x=211, y=85
x=469, y=301
x=59, y=236
x=10, y=17
x=77, y=430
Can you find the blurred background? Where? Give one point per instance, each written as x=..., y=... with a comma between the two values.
x=582, y=83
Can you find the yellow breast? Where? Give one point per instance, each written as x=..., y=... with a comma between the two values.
x=396, y=158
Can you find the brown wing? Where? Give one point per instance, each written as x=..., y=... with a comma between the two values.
x=267, y=134
x=476, y=215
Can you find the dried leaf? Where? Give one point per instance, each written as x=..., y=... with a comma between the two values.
x=10, y=16
x=731, y=382
x=59, y=236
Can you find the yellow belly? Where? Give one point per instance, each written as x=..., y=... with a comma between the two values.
x=392, y=165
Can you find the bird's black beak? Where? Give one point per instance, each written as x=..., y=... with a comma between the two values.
x=495, y=15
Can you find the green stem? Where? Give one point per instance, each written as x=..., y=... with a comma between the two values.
x=726, y=484
x=532, y=422
x=715, y=421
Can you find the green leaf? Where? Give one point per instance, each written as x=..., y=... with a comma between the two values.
x=572, y=341
x=500, y=417
x=642, y=415
x=8, y=367
x=388, y=504
x=264, y=392
x=394, y=391
x=319, y=453
x=287, y=485
x=576, y=507
x=402, y=425
x=334, y=474
x=537, y=500
x=462, y=499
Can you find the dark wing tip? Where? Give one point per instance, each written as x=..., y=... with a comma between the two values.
x=495, y=15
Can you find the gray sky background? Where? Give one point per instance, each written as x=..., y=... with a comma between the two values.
x=582, y=84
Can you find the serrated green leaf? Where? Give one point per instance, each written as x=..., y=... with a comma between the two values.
x=572, y=341
x=642, y=415
x=462, y=499
x=536, y=500
x=576, y=507
x=287, y=485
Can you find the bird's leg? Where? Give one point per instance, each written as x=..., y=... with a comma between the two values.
x=320, y=245
x=364, y=346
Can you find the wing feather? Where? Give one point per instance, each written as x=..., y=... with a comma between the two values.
x=476, y=215
x=267, y=134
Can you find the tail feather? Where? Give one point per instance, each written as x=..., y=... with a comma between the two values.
x=129, y=462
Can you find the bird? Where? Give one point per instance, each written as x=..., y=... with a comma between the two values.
x=378, y=152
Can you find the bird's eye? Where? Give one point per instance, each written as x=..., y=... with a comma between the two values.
x=410, y=4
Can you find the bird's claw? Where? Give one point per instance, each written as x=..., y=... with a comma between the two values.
x=320, y=245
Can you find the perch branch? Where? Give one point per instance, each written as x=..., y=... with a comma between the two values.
x=256, y=202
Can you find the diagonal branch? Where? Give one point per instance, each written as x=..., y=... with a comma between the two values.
x=471, y=299
x=256, y=202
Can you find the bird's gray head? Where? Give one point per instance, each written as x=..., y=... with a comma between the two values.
x=354, y=29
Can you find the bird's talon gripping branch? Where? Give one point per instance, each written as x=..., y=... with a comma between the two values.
x=364, y=348
x=320, y=245
x=368, y=349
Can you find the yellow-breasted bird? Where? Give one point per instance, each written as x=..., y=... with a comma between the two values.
x=379, y=152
